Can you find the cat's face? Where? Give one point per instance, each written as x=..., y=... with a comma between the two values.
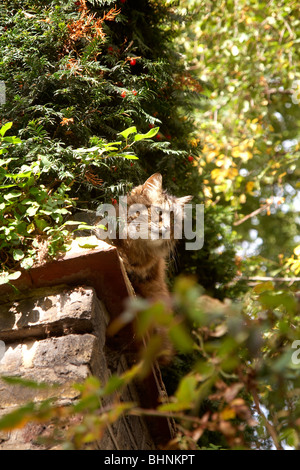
x=155, y=214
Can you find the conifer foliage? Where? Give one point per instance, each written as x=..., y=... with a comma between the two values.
x=78, y=73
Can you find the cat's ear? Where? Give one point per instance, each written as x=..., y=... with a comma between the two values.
x=184, y=200
x=153, y=184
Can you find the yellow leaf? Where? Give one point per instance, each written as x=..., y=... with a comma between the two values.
x=210, y=156
x=242, y=198
x=227, y=413
x=31, y=228
x=207, y=191
x=281, y=175
x=219, y=162
x=232, y=173
x=245, y=156
x=297, y=250
x=249, y=186
x=236, y=152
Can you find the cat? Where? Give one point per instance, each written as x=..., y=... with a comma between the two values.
x=145, y=258
x=152, y=218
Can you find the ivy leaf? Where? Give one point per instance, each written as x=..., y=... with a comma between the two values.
x=27, y=263
x=18, y=255
x=12, y=195
x=6, y=277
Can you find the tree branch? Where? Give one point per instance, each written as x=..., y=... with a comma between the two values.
x=270, y=428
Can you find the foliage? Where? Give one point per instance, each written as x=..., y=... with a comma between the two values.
x=249, y=131
x=100, y=95
x=243, y=384
x=76, y=71
x=32, y=214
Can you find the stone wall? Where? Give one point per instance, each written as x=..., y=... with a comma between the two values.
x=57, y=334
x=58, y=337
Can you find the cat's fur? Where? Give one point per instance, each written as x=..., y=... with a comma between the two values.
x=145, y=259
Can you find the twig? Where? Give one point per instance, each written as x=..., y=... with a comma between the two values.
x=269, y=278
x=160, y=414
x=270, y=428
x=254, y=213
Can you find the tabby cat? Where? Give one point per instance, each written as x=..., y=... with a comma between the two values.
x=151, y=210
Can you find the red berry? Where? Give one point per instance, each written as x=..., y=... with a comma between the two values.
x=133, y=62
x=134, y=92
x=151, y=126
x=114, y=201
x=122, y=1
x=190, y=158
x=123, y=94
x=158, y=136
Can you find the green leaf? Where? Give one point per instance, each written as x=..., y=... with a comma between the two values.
x=32, y=210
x=6, y=277
x=12, y=140
x=30, y=228
x=290, y=436
x=263, y=287
x=18, y=254
x=27, y=263
x=275, y=299
x=187, y=389
x=111, y=145
x=87, y=242
x=129, y=157
x=14, y=275
x=12, y=195
x=87, y=150
x=181, y=338
x=41, y=224
x=5, y=186
x=5, y=128
x=25, y=382
x=148, y=135
x=16, y=417
x=128, y=131
x=176, y=406
x=114, y=383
